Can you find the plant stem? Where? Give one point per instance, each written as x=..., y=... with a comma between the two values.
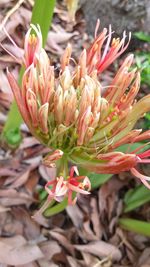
x=62, y=167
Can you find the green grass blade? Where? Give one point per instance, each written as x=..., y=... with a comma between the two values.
x=136, y=197
x=42, y=15
x=140, y=227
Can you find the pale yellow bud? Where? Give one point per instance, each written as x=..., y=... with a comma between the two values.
x=43, y=117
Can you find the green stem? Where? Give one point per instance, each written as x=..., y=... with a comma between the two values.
x=136, y=226
x=42, y=14
x=56, y=209
x=62, y=167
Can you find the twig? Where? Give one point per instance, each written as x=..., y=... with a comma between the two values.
x=10, y=12
x=31, y=2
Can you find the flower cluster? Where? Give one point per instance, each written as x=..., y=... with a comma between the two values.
x=59, y=188
x=75, y=116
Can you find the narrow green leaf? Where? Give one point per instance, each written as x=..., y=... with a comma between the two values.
x=42, y=14
x=56, y=208
x=98, y=179
x=140, y=227
x=136, y=197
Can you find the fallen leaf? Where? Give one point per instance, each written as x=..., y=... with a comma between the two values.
x=49, y=249
x=13, y=252
x=75, y=215
x=32, y=264
x=62, y=240
x=47, y=174
x=28, y=142
x=97, y=227
x=45, y=263
x=31, y=228
x=4, y=85
x=22, y=179
x=10, y=197
x=74, y=262
x=3, y=209
x=100, y=249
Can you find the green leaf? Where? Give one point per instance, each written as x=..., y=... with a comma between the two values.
x=127, y=148
x=98, y=179
x=140, y=227
x=42, y=194
x=42, y=14
x=56, y=208
x=136, y=197
x=142, y=36
x=13, y=137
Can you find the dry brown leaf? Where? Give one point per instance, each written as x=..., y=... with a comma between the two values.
x=3, y=119
x=74, y=262
x=11, y=26
x=49, y=249
x=33, y=162
x=32, y=264
x=22, y=179
x=40, y=219
x=5, y=2
x=32, y=182
x=4, y=85
x=28, y=142
x=144, y=259
x=12, y=227
x=26, y=15
x=90, y=260
x=45, y=263
x=101, y=249
x=7, y=172
x=87, y=233
x=58, y=37
x=16, y=241
x=97, y=227
x=31, y=228
x=62, y=240
x=10, y=197
x=75, y=215
x=3, y=209
x=14, y=253
x=47, y=174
